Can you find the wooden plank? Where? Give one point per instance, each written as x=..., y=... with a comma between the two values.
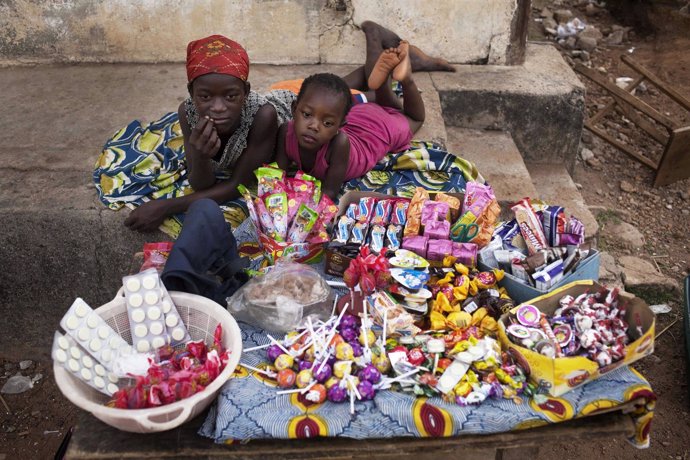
x=663, y=86
x=675, y=162
x=616, y=143
x=624, y=96
x=644, y=124
x=95, y=440
x=611, y=105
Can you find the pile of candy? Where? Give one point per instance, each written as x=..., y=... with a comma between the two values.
x=591, y=325
x=328, y=360
x=459, y=293
x=539, y=247
x=289, y=209
x=176, y=375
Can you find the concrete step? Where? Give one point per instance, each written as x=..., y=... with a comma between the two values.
x=497, y=159
x=541, y=103
x=555, y=186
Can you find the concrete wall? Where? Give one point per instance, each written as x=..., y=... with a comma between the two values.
x=273, y=31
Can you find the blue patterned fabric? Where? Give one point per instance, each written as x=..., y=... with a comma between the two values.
x=249, y=408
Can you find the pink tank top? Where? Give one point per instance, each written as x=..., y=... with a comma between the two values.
x=373, y=132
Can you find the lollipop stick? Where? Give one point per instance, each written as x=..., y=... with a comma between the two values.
x=260, y=371
x=275, y=342
x=260, y=347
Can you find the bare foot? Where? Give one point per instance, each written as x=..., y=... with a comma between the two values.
x=423, y=62
x=403, y=71
x=385, y=64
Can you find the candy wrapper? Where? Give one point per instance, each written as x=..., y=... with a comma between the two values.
x=434, y=211
x=438, y=229
x=399, y=212
x=417, y=244
x=298, y=192
x=304, y=221
x=277, y=207
x=454, y=204
x=377, y=238
x=327, y=211
x=382, y=212
x=267, y=180
x=316, y=187
x=414, y=212
x=156, y=255
x=530, y=226
x=477, y=198
x=359, y=233
x=265, y=220
x=343, y=229
x=438, y=249
x=393, y=237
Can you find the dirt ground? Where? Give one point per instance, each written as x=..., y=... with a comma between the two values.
x=33, y=424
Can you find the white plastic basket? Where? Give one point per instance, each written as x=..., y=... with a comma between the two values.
x=201, y=316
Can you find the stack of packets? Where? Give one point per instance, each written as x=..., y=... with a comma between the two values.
x=444, y=226
x=94, y=353
x=289, y=210
x=377, y=223
x=539, y=247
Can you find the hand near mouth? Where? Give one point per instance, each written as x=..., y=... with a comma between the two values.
x=204, y=141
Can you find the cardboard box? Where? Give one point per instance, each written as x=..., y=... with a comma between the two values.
x=561, y=375
x=588, y=269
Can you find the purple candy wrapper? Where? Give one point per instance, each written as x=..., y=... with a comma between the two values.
x=417, y=244
x=438, y=249
x=438, y=229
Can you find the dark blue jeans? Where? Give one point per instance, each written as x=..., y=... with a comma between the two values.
x=204, y=258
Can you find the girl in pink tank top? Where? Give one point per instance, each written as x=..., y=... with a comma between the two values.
x=334, y=141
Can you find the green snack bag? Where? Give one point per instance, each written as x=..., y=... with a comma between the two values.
x=317, y=184
x=304, y=221
x=277, y=207
x=268, y=178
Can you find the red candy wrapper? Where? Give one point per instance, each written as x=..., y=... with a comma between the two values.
x=399, y=212
x=265, y=220
x=267, y=180
x=327, y=211
x=530, y=226
x=156, y=255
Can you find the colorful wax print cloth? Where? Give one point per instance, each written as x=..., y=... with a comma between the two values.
x=248, y=408
x=143, y=162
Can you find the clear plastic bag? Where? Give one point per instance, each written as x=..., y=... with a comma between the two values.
x=282, y=299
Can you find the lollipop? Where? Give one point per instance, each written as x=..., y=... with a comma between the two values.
x=337, y=394
x=286, y=378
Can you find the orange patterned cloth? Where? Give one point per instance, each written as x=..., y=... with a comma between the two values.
x=216, y=54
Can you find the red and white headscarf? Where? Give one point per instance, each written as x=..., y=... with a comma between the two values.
x=216, y=54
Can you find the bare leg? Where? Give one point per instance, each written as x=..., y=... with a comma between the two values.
x=413, y=105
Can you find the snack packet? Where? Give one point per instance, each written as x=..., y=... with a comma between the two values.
x=277, y=207
x=304, y=221
x=453, y=204
x=317, y=184
x=268, y=178
x=414, y=212
x=327, y=211
x=530, y=226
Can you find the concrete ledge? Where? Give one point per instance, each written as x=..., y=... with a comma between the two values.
x=497, y=159
x=540, y=103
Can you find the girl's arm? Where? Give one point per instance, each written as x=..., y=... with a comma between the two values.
x=338, y=161
x=281, y=157
x=260, y=144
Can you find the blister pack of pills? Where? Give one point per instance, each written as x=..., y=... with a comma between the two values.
x=81, y=364
x=95, y=335
x=173, y=321
x=154, y=320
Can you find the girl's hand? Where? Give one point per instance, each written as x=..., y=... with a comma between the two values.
x=203, y=140
x=149, y=216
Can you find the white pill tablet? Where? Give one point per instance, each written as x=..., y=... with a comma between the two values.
x=84, y=334
x=156, y=328
x=125, y=350
x=136, y=300
x=86, y=374
x=112, y=378
x=133, y=285
x=107, y=355
x=158, y=342
x=151, y=298
x=81, y=310
x=73, y=365
x=72, y=322
x=92, y=321
x=112, y=388
x=154, y=313
x=74, y=351
x=99, y=370
x=63, y=342
x=103, y=332
x=60, y=355
x=166, y=306
x=114, y=342
x=171, y=320
x=95, y=345
x=140, y=330
x=86, y=361
x=143, y=346
x=149, y=282
x=99, y=382
x=178, y=334
x=138, y=316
